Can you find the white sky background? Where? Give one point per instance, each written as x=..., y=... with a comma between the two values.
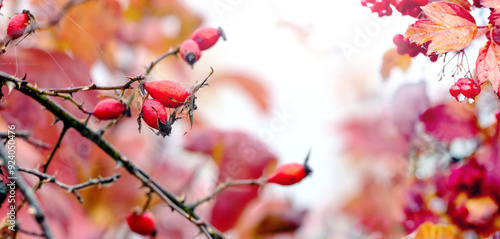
x=308, y=76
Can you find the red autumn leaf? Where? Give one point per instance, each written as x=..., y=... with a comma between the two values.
x=463, y=3
x=447, y=122
x=488, y=65
x=239, y=156
x=449, y=26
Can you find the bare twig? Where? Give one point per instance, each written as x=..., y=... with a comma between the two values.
x=71, y=188
x=223, y=186
x=93, y=86
x=36, y=210
x=26, y=135
x=54, y=150
x=167, y=54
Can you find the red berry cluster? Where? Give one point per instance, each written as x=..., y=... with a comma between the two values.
x=465, y=88
x=381, y=7
x=202, y=39
x=409, y=7
x=405, y=7
x=404, y=46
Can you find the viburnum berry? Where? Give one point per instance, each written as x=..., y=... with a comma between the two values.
x=381, y=7
x=404, y=46
x=409, y=7
x=206, y=37
x=190, y=51
x=170, y=93
x=154, y=113
x=143, y=224
x=290, y=173
x=109, y=109
x=465, y=88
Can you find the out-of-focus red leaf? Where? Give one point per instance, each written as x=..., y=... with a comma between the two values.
x=379, y=208
x=408, y=103
x=488, y=65
x=248, y=82
x=391, y=60
x=447, y=122
x=239, y=156
x=271, y=217
x=374, y=135
x=449, y=26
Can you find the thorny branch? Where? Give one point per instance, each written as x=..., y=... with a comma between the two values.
x=72, y=188
x=71, y=121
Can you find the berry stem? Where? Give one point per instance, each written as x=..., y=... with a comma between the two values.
x=167, y=54
x=230, y=183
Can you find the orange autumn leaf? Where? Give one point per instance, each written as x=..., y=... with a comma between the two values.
x=393, y=59
x=488, y=65
x=449, y=26
x=429, y=230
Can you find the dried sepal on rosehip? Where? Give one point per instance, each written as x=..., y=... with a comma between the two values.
x=170, y=93
x=154, y=114
x=190, y=51
x=142, y=223
x=190, y=105
x=291, y=173
x=206, y=37
x=110, y=109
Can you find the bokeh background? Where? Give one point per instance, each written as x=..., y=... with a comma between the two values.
x=295, y=75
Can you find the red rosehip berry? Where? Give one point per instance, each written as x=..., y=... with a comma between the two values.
x=170, y=93
x=154, y=113
x=143, y=224
x=17, y=25
x=190, y=51
x=291, y=173
x=109, y=109
x=206, y=37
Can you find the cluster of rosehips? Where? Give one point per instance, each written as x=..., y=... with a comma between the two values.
x=165, y=94
x=465, y=88
x=202, y=39
x=404, y=46
x=17, y=27
x=405, y=7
